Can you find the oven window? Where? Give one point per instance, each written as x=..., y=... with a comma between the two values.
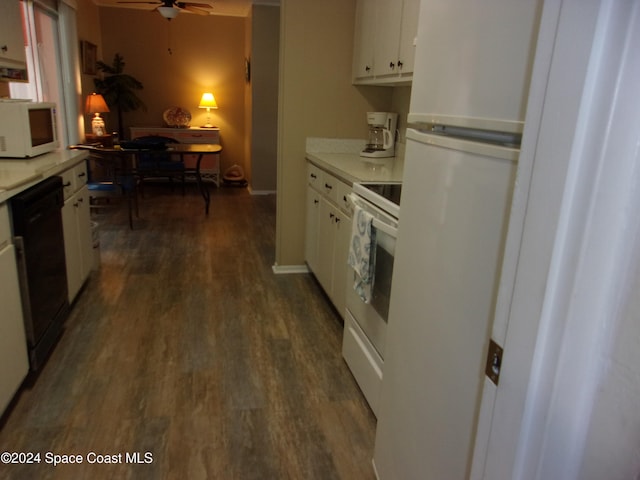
x=381, y=293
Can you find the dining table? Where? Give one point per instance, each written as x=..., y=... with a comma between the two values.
x=121, y=154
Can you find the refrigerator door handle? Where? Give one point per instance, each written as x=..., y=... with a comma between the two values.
x=470, y=146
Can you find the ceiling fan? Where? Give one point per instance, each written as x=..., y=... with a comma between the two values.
x=170, y=8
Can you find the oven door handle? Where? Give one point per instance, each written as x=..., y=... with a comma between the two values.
x=385, y=227
x=388, y=227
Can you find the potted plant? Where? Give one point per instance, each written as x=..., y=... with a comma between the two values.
x=118, y=89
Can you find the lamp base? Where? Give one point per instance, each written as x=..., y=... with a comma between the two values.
x=97, y=126
x=208, y=125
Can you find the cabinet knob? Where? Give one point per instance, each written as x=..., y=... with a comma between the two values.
x=80, y=175
x=392, y=65
x=399, y=64
x=4, y=48
x=327, y=186
x=367, y=68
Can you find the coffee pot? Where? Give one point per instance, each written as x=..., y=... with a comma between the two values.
x=382, y=134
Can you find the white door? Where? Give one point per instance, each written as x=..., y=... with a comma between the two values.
x=567, y=400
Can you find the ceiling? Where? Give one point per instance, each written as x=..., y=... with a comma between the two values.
x=233, y=8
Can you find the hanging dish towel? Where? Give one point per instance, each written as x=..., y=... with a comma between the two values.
x=361, y=253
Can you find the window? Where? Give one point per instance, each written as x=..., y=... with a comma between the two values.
x=52, y=62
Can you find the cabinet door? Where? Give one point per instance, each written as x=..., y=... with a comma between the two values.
x=11, y=36
x=326, y=242
x=72, y=246
x=340, y=268
x=389, y=19
x=14, y=361
x=311, y=230
x=78, y=245
x=408, y=34
x=364, y=39
x=83, y=225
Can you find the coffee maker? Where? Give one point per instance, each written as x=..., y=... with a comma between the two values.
x=382, y=135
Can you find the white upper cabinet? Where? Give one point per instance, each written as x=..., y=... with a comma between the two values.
x=364, y=40
x=13, y=62
x=385, y=41
x=408, y=35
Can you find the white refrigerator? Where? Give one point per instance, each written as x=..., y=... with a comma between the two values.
x=472, y=68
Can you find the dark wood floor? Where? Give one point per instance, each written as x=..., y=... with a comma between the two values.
x=186, y=345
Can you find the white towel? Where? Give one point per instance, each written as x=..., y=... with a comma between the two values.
x=362, y=253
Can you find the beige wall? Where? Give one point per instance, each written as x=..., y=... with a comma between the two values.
x=264, y=92
x=207, y=54
x=317, y=99
x=248, y=106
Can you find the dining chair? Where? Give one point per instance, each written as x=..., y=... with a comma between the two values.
x=112, y=176
x=156, y=164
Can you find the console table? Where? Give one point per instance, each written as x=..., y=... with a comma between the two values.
x=210, y=168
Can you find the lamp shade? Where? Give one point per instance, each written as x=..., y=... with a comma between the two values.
x=96, y=104
x=208, y=101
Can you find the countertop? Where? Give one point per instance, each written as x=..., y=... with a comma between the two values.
x=18, y=174
x=341, y=158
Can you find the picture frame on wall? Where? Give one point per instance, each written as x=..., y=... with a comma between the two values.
x=89, y=53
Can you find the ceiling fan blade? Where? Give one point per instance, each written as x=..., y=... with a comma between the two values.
x=142, y=3
x=197, y=11
x=193, y=4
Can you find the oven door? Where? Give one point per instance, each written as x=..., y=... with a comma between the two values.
x=372, y=317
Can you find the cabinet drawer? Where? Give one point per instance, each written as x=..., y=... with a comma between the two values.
x=198, y=136
x=314, y=177
x=343, y=198
x=330, y=187
x=182, y=135
x=80, y=176
x=5, y=228
x=138, y=132
x=68, y=182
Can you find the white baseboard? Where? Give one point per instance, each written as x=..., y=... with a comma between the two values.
x=260, y=192
x=287, y=269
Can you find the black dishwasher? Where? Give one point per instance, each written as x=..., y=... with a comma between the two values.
x=39, y=240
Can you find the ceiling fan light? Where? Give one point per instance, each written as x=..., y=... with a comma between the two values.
x=168, y=12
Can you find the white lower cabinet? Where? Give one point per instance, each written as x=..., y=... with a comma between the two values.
x=76, y=224
x=311, y=238
x=14, y=360
x=328, y=232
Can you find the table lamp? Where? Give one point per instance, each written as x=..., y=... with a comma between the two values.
x=208, y=101
x=96, y=104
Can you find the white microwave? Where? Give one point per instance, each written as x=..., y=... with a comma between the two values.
x=27, y=129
